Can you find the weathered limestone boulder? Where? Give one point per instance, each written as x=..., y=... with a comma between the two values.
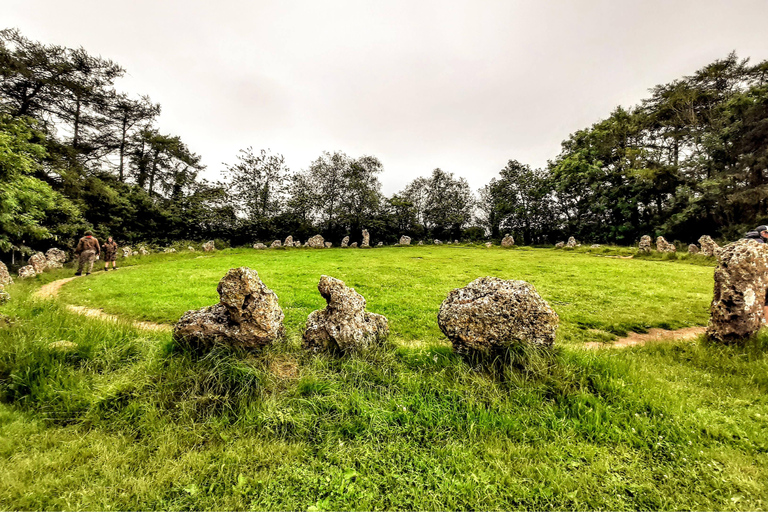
x=27, y=271
x=275, y=244
x=645, y=244
x=379, y=244
x=559, y=245
x=5, y=276
x=248, y=315
x=405, y=240
x=345, y=241
x=595, y=246
x=259, y=245
x=191, y=249
x=4, y=295
x=135, y=253
x=328, y=245
x=316, y=242
x=143, y=251
x=38, y=262
x=55, y=257
x=437, y=242
x=693, y=249
x=572, y=242
x=741, y=278
x=488, y=244
x=507, y=241
x=297, y=243
x=455, y=242
x=421, y=242
x=169, y=250
x=366, y=239
x=448, y=243
x=708, y=246
x=126, y=251
x=209, y=246
x=343, y=324
x=663, y=246
x=491, y=313
x=353, y=244
x=288, y=241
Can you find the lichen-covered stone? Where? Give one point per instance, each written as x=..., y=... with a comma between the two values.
x=455, y=242
x=328, y=245
x=491, y=313
x=316, y=242
x=38, y=262
x=437, y=242
x=345, y=241
x=559, y=245
x=55, y=258
x=169, y=250
x=507, y=241
x=405, y=240
x=572, y=242
x=191, y=249
x=209, y=246
x=488, y=244
x=343, y=324
x=741, y=278
x=259, y=245
x=143, y=251
x=354, y=244
x=288, y=241
x=248, y=315
x=663, y=246
x=645, y=244
x=126, y=252
x=27, y=271
x=693, y=249
x=421, y=242
x=275, y=244
x=708, y=246
x=379, y=244
x=5, y=276
x=366, y=239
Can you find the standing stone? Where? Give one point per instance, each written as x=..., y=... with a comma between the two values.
x=559, y=245
x=209, y=246
x=663, y=246
x=27, y=271
x=248, y=315
x=288, y=241
x=645, y=244
x=421, y=242
x=143, y=250
x=345, y=241
x=437, y=242
x=126, y=251
x=169, y=250
x=491, y=313
x=572, y=242
x=741, y=279
x=379, y=244
x=708, y=246
x=275, y=244
x=488, y=244
x=38, y=262
x=135, y=253
x=55, y=257
x=343, y=324
x=316, y=242
x=354, y=244
x=507, y=241
x=191, y=249
x=297, y=243
x=328, y=245
x=448, y=242
x=405, y=240
x=366, y=239
x=693, y=249
x=455, y=242
x=5, y=276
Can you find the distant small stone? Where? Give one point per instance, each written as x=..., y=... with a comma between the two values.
x=595, y=246
x=366, y=239
x=421, y=242
x=572, y=242
x=27, y=271
x=379, y=244
x=345, y=241
x=455, y=242
x=508, y=241
x=38, y=262
x=135, y=253
x=275, y=244
x=297, y=243
x=143, y=251
x=693, y=249
x=169, y=250
x=288, y=241
x=209, y=246
x=328, y=245
x=259, y=245
x=126, y=252
x=316, y=242
x=663, y=246
x=645, y=244
x=353, y=244
x=559, y=245
x=191, y=249
x=437, y=242
x=488, y=244
x=405, y=240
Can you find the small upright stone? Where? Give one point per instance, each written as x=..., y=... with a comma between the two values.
x=259, y=245
x=297, y=243
x=437, y=242
x=559, y=245
x=366, y=239
x=421, y=242
x=572, y=242
x=27, y=271
x=209, y=246
x=741, y=279
x=328, y=245
x=354, y=245
x=405, y=240
x=343, y=324
x=191, y=249
x=379, y=244
x=491, y=314
x=345, y=241
x=455, y=242
x=248, y=315
x=508, y=241
x=275, y=244
x=169, y=250
x=5, y=276
x=288, y=241
x=693, y=249
x=645, y=244
x=38, y=262
x=708, y=246
x=488, y=244
x=316, y=242
x=126, y=251
x=143, y=251
x=663, y=246
x=595, y=246
x=55, y=258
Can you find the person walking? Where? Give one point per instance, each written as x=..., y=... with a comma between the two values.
x=110, y=253
x=86, y=251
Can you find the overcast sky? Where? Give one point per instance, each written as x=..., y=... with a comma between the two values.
x=464, y=86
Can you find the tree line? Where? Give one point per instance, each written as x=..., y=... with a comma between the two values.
x=77, y=153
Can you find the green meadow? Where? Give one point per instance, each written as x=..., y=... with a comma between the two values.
x=126, y=419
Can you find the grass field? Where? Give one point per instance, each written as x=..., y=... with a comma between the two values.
x=128, y=420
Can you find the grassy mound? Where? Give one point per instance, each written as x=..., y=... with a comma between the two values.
x=125, y=419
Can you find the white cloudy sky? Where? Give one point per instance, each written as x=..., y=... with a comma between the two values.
x=460, y=85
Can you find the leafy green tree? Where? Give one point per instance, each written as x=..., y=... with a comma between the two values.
x=258, y=183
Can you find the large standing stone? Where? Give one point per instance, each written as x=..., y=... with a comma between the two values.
x=366, y=239
x=663, y=246
x=645, y=244
x=708, y=246
x=288, y=241
x=343, y=324
x=209, y=246
x=491, y=313
x=507, y=241
x=5, y=276
x=693, y=249
x=38, y=262
x=248, y=315
x=741, y=278
x=27, y=271
x=275, y=244
x=345, y=241
x=572, y=242
x=316, y=242
x=405, y=240
x=55, y=257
